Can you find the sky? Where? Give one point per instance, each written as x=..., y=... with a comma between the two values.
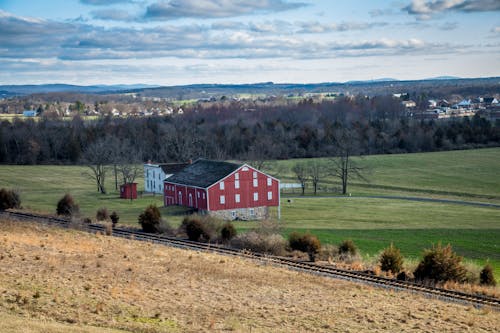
x=177, y=42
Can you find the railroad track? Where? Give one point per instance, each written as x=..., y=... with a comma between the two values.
x=445, y=294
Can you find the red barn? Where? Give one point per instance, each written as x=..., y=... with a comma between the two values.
x=222, y=189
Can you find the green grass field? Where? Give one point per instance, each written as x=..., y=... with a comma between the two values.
x=464, y=174
x=372, y=223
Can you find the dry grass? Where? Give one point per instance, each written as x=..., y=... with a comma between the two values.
x=71, y=277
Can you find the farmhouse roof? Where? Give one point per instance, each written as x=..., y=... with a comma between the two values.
x=172, y=168
x=203, y=173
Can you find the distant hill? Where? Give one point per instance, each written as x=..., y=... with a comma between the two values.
x=382, y=86
x=10, y=90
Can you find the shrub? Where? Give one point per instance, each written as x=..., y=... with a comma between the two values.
x=441, y=264
x=486, y=276
x=9, y=199
x=102, y=214
x=67, y=206
x=195, y=228
x=268, y=227
x=348, y=247
x=150, y=219
x=114, y=218
x=108, y=229
x=227, y=232
x=307, y=243
x=87, y=220
x=328, y=252
x=391, y=260
x=268, y=244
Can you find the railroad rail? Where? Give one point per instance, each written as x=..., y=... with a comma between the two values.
x=445, y=294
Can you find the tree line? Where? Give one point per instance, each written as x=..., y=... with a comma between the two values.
x=376, y=125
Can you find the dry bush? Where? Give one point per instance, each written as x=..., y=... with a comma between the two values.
x=150, y=219
x=268, y=227
x=195, y=228
x=9, y=199
x=114, y=218
x=486, y=276
x=348, y=247
x=307, y=243
x=269, y=244
x=67, y=206
x=102, y=214
x=227, y=232
x=108, y=229
x=441, y=264
x=165, y=228
x=328, y=252
x=391, y=260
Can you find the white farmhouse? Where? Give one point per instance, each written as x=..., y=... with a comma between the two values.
x=156, y=173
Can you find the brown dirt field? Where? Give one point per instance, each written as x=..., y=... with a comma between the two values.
x=70, y=278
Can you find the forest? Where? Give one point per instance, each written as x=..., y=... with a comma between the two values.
x=376, y=125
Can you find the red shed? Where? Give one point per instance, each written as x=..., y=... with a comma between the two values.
x=226, y=190
x=128, y=191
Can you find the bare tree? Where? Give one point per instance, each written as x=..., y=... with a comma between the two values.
x=317, y=171
x=343, y=166
x=128, y=162
x=97, y=157
x=302, y=174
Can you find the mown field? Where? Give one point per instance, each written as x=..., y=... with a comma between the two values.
x=372, y=223
x=79, y=282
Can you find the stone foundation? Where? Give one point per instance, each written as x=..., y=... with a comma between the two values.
x=245, y=214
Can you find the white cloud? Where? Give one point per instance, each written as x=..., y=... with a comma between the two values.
x=427, y=9
x=175, y=9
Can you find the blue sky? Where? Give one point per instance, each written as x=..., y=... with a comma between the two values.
x=172, y=42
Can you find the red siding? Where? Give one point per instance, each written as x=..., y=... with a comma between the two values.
x=246, y=191
x=184, y=196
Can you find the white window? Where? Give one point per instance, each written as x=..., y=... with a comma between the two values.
x=269, y=195
x=256, y=196
x=236, y=176
x=236, y=184
x=269, y=181
x=244, y=169
x=233, y=214
x=252, y=212
x=255, y=182
x=255, y=174
x=221, y=185
x=198, y=194
x=222, y=199
x=203, y=195
x=237, y=198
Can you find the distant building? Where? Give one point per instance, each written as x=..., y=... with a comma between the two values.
x=226, y=190
x=156, y=173
x=29, y=113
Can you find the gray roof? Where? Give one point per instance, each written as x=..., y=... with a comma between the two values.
x=203, y=173
x=172, y=168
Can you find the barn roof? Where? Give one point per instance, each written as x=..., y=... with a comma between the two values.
x=172, y=168
x=203, y=173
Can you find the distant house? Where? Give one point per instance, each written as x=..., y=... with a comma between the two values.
x=490, y=101
x=156, y=173
x=29, y=113
x=226, y=190
x=409, y=104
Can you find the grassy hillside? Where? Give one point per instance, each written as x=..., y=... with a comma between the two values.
x=464, y=174
x=371, y=223
x=79, y=282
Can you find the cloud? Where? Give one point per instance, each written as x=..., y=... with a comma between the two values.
x=426, y=9
x=496, y=30
x=112, y=15
x=175, y=9
x=104, y=2
x=28, y=38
